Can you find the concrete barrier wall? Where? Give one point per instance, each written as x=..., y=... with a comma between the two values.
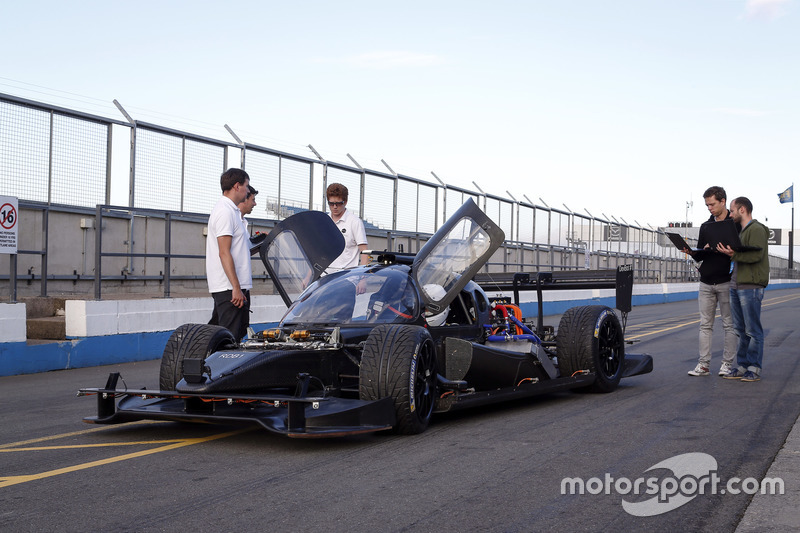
x=12, y=323
x=90, y=318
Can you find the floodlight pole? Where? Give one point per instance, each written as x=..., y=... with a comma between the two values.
x=791, y=236
x=689, y=204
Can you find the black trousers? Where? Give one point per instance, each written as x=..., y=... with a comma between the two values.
x=227, y=315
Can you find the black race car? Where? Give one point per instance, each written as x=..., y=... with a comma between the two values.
x=384, y=346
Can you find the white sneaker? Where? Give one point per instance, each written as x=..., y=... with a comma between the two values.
x=699, y=370
x=725, y=369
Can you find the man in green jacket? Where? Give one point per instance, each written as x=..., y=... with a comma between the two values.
x=750, y=277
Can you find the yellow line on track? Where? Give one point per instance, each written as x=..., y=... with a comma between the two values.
x=770, y=302
x=15, y=480
x=663, y=329
x=80, y=446
x=73, y=433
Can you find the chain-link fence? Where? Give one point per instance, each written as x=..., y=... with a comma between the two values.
x=57, y=156
x=52, y=155
x=60, y=157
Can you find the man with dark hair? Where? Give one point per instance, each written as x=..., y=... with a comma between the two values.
x=246, y=206
x=750, y=278
x=714, y=290
x=228, y=256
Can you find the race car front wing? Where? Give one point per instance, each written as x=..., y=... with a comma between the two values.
x=294, y=416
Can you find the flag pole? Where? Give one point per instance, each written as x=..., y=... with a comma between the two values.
x=791, y=236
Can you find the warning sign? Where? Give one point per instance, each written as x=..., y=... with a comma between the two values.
x=8, y=224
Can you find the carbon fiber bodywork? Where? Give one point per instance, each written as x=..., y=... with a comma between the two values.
x=357, y=351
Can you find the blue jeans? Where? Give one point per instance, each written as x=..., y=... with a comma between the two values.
x=746, y=313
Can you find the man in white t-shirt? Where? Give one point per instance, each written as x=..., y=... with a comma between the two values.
x=228, y=256
x=352, y=228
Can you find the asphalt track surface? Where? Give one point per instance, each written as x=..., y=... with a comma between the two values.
x=497, y=468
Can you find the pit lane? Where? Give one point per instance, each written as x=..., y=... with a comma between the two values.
x=497, y=468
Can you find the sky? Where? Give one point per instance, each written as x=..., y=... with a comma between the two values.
x=629, y=108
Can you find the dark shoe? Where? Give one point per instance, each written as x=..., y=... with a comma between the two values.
x=734, y=374
x=751, y=376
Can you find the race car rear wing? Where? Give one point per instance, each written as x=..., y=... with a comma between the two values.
x=620, y=279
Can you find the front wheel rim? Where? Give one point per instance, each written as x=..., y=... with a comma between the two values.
x=424, y=382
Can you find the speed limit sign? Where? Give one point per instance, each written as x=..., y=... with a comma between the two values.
x=9, y=209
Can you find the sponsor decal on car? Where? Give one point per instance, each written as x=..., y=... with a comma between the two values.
x=412, y=378
x=600, y=320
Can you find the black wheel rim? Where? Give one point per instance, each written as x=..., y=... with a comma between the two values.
x=424, y=382
x=610, y=345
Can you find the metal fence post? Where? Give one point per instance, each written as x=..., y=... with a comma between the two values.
x=98, y=244
x=45, y=234
x=12, y=276
x=167, y=251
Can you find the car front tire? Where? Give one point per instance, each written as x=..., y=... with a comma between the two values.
x=193, y=341
x=399, y=361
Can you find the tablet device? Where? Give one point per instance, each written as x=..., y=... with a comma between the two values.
x=679, y=243
x=725, y=232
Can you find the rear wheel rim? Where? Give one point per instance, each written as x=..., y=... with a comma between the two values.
x=610, y=349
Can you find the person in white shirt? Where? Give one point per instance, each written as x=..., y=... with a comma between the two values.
x=228, y=256
x=355, y=240
x=352, y=228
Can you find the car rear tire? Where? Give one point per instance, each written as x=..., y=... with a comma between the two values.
x=399, y=361
x=591, y=338
x=193, y=341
